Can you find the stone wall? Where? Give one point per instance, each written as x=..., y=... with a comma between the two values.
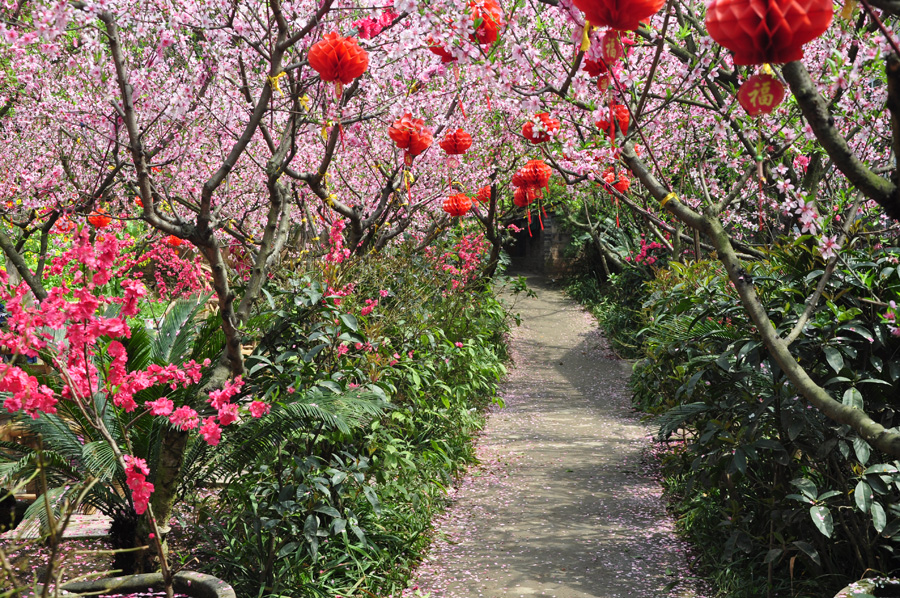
x=543, y=251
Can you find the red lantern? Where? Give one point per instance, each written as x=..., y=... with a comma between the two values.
x=520, y=197
x=173, y=241
x=545, y=128
x=456, y=143
x=484, y=195
x=762, y=31
x=338, y=58
x=760, y=94
x=99, y=218
x=139, y=202
x=457, y=205
x=535, y=176
x=625, y=15
x=594, y=68
x=486, y=15
x=618, y=114
x=441, y=51
x=620, y=182
x=411, y=135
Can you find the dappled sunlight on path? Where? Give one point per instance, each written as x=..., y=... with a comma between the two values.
x=564, y=503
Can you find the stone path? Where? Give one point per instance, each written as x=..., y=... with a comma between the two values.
x=564, y=503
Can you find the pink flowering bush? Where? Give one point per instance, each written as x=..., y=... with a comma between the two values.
x=99, y=382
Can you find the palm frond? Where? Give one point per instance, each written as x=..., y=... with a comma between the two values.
x=676, y=417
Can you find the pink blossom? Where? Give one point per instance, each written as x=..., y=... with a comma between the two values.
x=161, y=406
x=259, y=408
x=210, y=431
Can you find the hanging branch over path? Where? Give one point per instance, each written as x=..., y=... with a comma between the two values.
x=883, y=439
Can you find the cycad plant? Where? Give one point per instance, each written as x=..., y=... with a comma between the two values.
x=75, y=451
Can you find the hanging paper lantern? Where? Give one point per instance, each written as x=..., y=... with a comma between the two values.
x=441, y=51
x=139, y=202
x=486, y=16
x=338, y=58
x=623, y=184
x=173, y=241
x=763, y=31
x=410, y=134
x=99, y=219
x=457, y=205
x=484, y=195
x=760, y=94
x=618, y=115
x=540, y=132
x=456, y=142
x=535, y=176
x=625, y=15
x=520, y=197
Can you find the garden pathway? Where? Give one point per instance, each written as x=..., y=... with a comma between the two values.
x=564, y=503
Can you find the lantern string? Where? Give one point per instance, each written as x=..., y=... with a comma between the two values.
x=759, y=168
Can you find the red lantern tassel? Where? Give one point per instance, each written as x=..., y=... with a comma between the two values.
x=463, y=110
x=541, y=220
x=529, y=222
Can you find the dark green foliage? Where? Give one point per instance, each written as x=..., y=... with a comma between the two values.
x=333, y=492
x=778, y=499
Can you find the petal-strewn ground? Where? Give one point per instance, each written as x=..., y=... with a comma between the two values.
x=564, y=503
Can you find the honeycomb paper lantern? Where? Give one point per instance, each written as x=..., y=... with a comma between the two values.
x=520, y=197
x=618, y=116
x=763, y=31
x=624, y=15
x=338, y=58
x=456, y=143
x=486, y=16
x=457, y=205
x=410, y=134
x=99, y=219
x=540, y=133
x=484, y=195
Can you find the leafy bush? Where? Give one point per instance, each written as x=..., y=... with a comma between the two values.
x=375, y=408
x=774, y=494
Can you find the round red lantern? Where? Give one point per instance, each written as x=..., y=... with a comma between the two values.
x=535, y=175
x=484, y=195
x=338, y=58
x=411, y=135
x=763, y=31
x=520, y=197
x=173, y=241
x=457, y=205
x=760, y=94
x=620, y=116
x=625, y=15
x=540, y=132
x=456, y=142
x=99, y=218
x=486, y=16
